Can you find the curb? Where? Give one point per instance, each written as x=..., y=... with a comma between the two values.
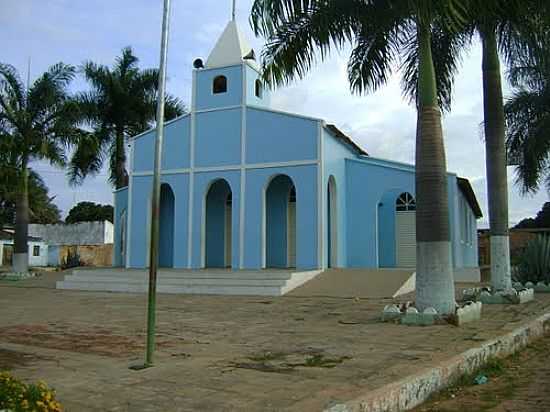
x=411, y=391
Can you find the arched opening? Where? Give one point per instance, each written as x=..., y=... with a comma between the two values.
x=166, y=226
x=218, y=225
x=219, y=85
x=258, y=89
x=280, y=223
x=332, y=223
x=405, y=230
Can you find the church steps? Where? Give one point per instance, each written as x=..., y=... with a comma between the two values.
x=264, y=283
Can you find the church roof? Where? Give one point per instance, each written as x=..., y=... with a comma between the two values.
x=338, y=134
x=230, y=49
x=468, y=192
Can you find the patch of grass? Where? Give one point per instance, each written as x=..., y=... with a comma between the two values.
x=267, y=356
x=320, y=361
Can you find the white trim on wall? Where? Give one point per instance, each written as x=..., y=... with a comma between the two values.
x=243, y=169
x=190, y=171
x=218, y=109
x=130, y=207
x=205, y=169
x=321, y=207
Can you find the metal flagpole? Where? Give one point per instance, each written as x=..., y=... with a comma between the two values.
x=155, y=215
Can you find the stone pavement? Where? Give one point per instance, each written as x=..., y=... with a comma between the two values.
x=223, y=353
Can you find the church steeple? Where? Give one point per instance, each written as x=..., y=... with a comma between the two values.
x=231, y=76
x=230, y=48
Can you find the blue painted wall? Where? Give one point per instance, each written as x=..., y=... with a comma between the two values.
x=334, y=164
x=305, y=182
x=120, y=205
x=373, y=187
x=218, y=138
x=206, y=99
x=293, y=138
x=251, y=76
x=140, y=219
x=175, y=152
x=370, y=182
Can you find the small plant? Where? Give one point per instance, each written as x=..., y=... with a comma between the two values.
x=533, y=264
x=18, y=396
x=72, y=260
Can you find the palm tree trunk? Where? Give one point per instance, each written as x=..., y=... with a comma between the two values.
x=121, y=176
x=21, y=247
x=434, y=275
x=495, y=159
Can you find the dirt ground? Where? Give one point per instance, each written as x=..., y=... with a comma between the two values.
x=222, y=353
x=518, y=383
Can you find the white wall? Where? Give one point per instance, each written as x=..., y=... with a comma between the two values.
x=40, y=260
x=83, y=233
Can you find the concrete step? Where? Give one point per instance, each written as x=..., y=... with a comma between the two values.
x=186, y=274
x=187, y=281
x=264, y=283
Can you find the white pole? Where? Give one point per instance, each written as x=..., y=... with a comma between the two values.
x=155, y=215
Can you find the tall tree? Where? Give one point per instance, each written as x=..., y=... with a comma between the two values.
x=121, y=103
x=384, y=33
x=90, y=212
x=528, y=116
x=36, y=123
x=42, y=209
x=504, y=26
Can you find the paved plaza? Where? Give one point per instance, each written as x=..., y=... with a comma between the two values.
x=222, y=353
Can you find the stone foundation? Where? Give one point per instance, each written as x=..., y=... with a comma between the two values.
x=406, y=314
x=510, y=297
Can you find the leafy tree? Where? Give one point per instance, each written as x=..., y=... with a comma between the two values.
x=383, y=33
x=505, y=27
x=37, y=122
x=542, y=220
x=90, y=212
x=42, y=209
x=528, y=118
x=120, y=104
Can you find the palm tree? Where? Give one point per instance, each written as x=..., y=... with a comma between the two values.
x=528, y=118
x=120, y=104
x=383, y=33
x=502, y=25
x=36, y=123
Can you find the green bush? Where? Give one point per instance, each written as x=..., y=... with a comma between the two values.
x=17, y=396
x=533, y=265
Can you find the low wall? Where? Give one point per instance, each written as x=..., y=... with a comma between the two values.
x=90, y=255
x=83, y=233
x=518, y=240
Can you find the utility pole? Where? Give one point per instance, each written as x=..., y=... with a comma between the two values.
x=155, y=210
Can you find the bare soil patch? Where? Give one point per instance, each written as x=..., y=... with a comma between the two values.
x=92, y=339
x=517, y=383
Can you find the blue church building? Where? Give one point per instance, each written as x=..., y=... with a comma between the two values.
x=245, y=186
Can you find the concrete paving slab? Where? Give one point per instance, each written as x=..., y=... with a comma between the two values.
x=228, y=353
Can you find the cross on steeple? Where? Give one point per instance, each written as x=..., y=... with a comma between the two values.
x=233, y=10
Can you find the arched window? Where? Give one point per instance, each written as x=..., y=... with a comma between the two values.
x=405, y=202
x=258, y=89
x=219, y=85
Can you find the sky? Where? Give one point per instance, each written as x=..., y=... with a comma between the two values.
x=383, y=123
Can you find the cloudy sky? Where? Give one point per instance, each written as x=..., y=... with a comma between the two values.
x=48, y=31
